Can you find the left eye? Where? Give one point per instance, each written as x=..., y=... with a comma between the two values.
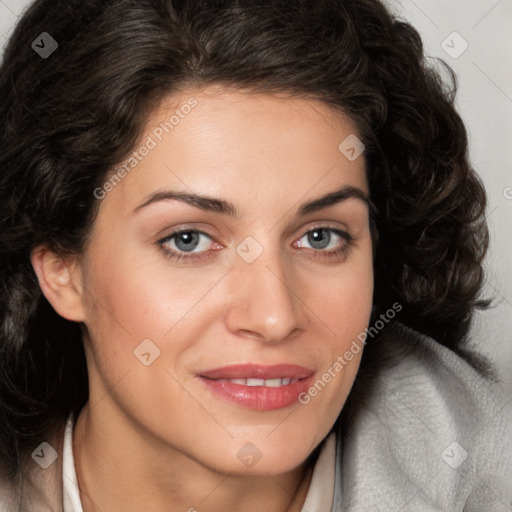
x=322, y=238
x=187, y=241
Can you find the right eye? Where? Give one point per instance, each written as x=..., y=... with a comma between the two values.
x=186, y=244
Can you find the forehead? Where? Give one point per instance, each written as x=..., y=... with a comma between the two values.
x=235, y=142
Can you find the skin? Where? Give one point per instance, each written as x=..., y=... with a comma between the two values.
x=153, y=437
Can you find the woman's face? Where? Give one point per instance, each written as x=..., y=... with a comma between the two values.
x=270, y=280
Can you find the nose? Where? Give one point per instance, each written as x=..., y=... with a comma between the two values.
x=263, y=304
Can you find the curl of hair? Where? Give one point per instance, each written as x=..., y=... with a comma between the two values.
x=68, y=120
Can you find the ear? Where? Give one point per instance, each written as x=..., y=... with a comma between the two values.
x=60, y=281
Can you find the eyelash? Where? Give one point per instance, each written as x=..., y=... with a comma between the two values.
x=340, y=252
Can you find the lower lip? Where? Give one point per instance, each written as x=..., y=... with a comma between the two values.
x=259, y=398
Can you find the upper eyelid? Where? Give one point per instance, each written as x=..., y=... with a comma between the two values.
x=185, y=230
x=329, y=228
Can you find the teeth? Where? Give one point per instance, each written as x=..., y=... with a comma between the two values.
x=255, y=382
x=269, y=383
x=275, y=383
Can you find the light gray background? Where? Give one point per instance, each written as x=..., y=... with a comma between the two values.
x=484, y=70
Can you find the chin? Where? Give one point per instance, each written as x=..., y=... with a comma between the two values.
x=262, y=454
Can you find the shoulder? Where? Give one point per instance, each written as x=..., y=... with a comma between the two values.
x=39, y=484
x=433, y=432
x=428, y=376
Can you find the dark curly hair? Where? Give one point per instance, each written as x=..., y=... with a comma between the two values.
x=69, y=119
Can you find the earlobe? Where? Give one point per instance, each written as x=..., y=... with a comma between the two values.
x=60, y=282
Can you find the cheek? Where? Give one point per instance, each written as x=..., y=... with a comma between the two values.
x=343, y=303
x=144, y=295
x=343, y=297
x=132, y=299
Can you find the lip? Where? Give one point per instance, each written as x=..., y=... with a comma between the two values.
x=259, y=398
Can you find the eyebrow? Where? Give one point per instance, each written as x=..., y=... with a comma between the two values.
x=221, y=206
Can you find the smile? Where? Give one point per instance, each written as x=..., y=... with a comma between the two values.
x=258, y=387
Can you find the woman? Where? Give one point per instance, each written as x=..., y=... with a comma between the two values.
x=241, y=247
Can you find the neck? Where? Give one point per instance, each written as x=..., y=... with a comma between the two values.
x=121, y=468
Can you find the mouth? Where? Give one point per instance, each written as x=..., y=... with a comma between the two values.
x=258, y=387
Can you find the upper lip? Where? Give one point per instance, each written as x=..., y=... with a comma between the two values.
x=257, y=371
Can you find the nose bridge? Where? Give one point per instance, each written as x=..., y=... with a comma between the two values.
x=263, y=304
